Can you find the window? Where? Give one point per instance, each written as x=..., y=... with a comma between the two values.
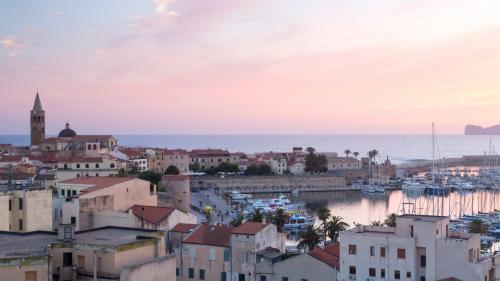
x=408, y=274
x=10, y=205
x=241, y=277
x=423, y=261
x=73, y=220
x=382, y=252
x=89, y=147
x=73, y=192
x=78, y=166
x=411, y=230
x=352, y=249
x=382, y=273
x=223, y=276
x=401, y=254
x=67, y=259
x=95, y=146
x=176, y=271
x=20, y=203
x=422, y=278
x=372, y=272
x=20, y=224
x=191, y=273
x=263, y=278
x=81, y=261
x=372, y=251
x=212, y=256
x=397, y=275
x=97, y=165
x=284, y=278
x=30, y=276
x=352, y=270
x=303, y=279
x=202, y=274
x=112, y=165
x=96, y=174
x=87, y=166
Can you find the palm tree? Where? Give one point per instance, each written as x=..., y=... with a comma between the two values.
x=257, y=216
x=207, y=212
x=347, y=152
x=356, y=154
x=237, y=221
x=390, y=220
x=375, y=154
x=376, y=223
x=323, y=215
x=335, y=226
x=478, y=226
x=308, y=238
x=280, y=218
x=310, y=150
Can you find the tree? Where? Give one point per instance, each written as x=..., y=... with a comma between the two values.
x=356, y=154
x=207, y=212
x=374, y=154
x=237, y=221
x=315, y=163
x=150, y=176
x=261, y=170
x=134, y=170
x=252, y=170
x=347, y=152
x=323, y=214
x=280, y=218
x=172, y=170
x=226, y=167
x=195, y=167
x=478, y=226
x=121, y=172
x=376, y=223
x=390, y=220
x=265, y=169
x=335, y=226
x=308, y=238
x=257, y=216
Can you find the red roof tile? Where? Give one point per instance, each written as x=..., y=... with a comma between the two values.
x=152, y=214
x=184, y=227
x=249, y=228
x=97, y=182
x=219, y=235
x=92, y=138
x=328, y=255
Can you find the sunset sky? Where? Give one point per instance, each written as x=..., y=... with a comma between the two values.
x=250, y=66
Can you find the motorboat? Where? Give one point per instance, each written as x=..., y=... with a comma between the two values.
x=236, y=195
x=371, y=188
x=298, y=221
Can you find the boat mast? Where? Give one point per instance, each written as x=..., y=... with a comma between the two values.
x=433, y=152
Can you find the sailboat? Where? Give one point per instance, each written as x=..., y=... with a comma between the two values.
x=433, y=188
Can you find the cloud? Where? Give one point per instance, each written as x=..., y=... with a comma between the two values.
x=163, y=7
x=9, y=43
x=56, y=13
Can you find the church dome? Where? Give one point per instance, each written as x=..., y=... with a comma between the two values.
x=67, y=132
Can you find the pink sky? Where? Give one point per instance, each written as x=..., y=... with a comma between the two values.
x=253, y=67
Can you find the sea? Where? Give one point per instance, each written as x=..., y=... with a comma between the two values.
x=399, y=148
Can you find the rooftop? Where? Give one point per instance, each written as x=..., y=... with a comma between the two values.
x=13, y=244
x=249, y=228
x=329, y=255
x=152, y=214
x=184, y=227
x=111, y=235
x=96, y=183
x=210, y=235
x=423, y=217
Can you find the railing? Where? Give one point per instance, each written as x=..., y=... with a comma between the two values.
x=100, y=274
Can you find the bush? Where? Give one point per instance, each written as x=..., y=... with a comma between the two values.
x=172, y=170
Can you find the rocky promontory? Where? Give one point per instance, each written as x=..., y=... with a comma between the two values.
x=478, y=130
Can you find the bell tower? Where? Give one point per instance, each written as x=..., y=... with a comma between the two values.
x=37, y=121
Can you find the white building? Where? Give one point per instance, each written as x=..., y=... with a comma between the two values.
x=343, y=163
x=279, y=166
x=420, y=248
x=296, y=168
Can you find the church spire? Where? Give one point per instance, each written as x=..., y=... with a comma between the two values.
x=37, y=106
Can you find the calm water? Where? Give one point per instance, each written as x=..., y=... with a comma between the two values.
x=398, y=148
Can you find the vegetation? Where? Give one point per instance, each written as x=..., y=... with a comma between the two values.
x=308, y=239
x=207, y=212
x=478, y=226
x=172, y=170
x=237, y=221
x=335, y=226
x=195, y=167
x=224, y=167
x=134, y=170
x=373, y=155
x=258, y=170
x=121, y=173
x=315, y=163
x=150, y=176
x=257, y=216
x=390, y=220
x=376, y=223
x=356, y=154
x=323, y=214
x=279, y=218
x=347, y=152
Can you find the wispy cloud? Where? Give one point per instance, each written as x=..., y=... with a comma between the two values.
x=164, y=7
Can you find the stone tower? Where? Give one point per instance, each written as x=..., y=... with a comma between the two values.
x=37, y=121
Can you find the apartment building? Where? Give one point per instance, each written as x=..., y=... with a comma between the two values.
x=75, y=167
x=211, y=158
x=160, y=158
x=26, y=210
x=343, y=163
x=419, y=248
x=108, y=253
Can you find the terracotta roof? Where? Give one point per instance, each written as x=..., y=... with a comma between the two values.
x=131, y=153
x=209, y=152
x=152, y=214
x=184, y=227
x=212, y=235
x=15, y=176
x=97, y=182
x=92, y=138
x=56, y=139
x=81, y=160
x=249, y=228
x=328, y=255
x=11, y=158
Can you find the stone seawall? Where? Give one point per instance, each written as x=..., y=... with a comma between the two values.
x=264, y=184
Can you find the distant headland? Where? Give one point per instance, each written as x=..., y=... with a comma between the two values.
x=478, y=130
